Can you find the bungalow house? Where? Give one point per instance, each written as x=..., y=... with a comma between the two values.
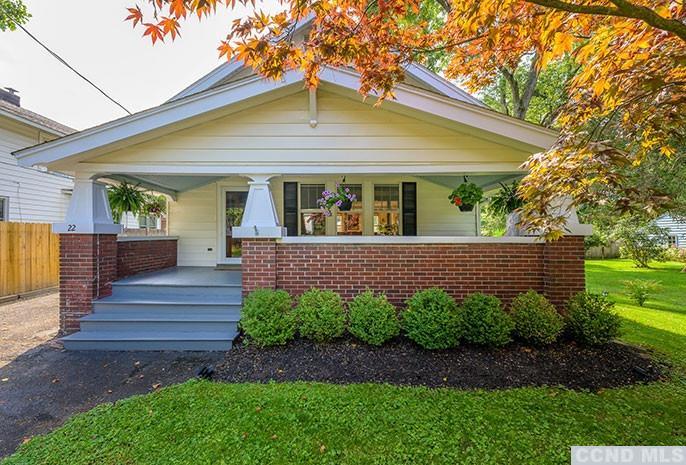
x=245, y=160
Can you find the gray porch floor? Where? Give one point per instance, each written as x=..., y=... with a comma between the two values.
x=186, y=276
x=180, y=308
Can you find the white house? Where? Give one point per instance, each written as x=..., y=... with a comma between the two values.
x=676, y=229
x=245, y=160
x=29, y=194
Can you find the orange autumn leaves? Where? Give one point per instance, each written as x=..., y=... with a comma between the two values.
x=631, y=79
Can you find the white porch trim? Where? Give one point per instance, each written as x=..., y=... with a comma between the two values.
x=89, y=209
x=259, y=218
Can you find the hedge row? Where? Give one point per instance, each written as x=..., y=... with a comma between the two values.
x=431, y=318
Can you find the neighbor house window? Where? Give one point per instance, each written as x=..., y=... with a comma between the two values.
x=387, y=209
x=4, y=208
x=312, y=219
x=673, y=241
x=147, y=222
x=349, y=223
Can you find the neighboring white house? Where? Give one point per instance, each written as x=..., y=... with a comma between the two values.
x=676, y=228
x=28, y=194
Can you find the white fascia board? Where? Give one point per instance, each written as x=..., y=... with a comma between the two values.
x=149, y=120
x=31, y=123
x=440, y=84
x=232, y=168
x=460, y=112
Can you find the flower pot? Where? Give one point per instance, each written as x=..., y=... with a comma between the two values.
x=465, y=207
x=346, y=205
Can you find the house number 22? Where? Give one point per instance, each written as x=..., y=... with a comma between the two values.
x=71, y=227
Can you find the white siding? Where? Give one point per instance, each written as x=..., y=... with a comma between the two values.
x=348, y=132
x=195, y=215
x=193, y=218
x=35, y=196
x=675, y=227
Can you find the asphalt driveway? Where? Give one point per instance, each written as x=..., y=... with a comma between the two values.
x=44, y=385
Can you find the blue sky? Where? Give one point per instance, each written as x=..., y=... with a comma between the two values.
x=97, y=42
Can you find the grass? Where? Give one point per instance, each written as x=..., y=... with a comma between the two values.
x=206, y=423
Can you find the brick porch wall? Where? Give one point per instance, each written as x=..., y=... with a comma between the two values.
x=145, y=255
x=88, y=265
x=399, y=270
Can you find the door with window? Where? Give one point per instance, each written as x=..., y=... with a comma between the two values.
x=234, y=206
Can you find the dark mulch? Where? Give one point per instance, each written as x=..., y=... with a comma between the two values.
x=402, y=362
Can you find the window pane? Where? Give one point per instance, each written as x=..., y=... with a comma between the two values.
x=355, y=189
x=349, y=224
x=309, y=194
x=313, y=224
x=3, y=209
x=386, y=223
x=386, y=197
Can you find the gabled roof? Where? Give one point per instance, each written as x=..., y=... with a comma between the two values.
x=226, y=98
x=34, y=119
x=224, y=73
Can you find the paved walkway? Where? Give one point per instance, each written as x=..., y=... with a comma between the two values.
x=42, y=385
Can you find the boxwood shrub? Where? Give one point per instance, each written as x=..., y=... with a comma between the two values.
x=484, y=321
x=591, y=319
x=267, y=317
x=432, y=320
x=321, y=315
x=372, y=318
x=536, y=320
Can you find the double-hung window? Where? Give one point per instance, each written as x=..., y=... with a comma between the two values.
x=386, y=209
x=312, y=219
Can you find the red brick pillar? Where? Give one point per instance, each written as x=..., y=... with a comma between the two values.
x=258, y=264
x=88, y=265
x=563, y=269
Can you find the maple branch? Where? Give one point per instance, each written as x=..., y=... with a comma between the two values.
x=445, y=4
x=623, y=9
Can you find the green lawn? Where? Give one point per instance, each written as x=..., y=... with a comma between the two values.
x=206, y=423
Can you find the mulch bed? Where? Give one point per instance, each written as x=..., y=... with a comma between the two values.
x=402, y=362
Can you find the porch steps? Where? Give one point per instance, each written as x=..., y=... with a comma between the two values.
x=185, y=310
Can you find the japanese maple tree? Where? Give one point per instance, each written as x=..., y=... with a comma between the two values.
x=631, y=57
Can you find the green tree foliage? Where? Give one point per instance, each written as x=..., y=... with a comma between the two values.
x=12, y=14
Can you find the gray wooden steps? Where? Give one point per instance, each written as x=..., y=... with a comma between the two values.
x=182, y=308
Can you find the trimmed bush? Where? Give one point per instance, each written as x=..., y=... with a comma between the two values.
x=484, y=321
x=373, y=319
x=267, y=317
x=591, y=319
x=432, y=320
x=640, y=290
x=536, y=321
x=320, y=315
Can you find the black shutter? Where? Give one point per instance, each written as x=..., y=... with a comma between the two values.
x=290, y=208
x=409, y=209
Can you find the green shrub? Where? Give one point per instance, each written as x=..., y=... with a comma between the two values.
x=432, y=320
x=373, y=319
x=641, y=241
x=484, y=321
x=267, y=317
x=321, y=315
x=536, y=321
x=591, y=319
x=640, y=289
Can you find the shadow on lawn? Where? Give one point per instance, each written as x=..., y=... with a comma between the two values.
x=672, y=346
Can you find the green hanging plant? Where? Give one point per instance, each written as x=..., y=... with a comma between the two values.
x=155, y=205
x=466, y=195
x=506, y=200
x=125, y=197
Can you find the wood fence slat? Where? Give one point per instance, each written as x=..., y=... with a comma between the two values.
x=29, y=257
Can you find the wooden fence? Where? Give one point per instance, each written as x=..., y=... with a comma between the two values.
x=29, y=258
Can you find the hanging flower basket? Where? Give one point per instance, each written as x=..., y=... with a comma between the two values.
x=341, y=198
x=465, y=196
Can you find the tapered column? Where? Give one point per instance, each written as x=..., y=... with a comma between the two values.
x=259, y=217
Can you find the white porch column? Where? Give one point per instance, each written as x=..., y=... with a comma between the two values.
x=89, y=209
x=259, y=217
